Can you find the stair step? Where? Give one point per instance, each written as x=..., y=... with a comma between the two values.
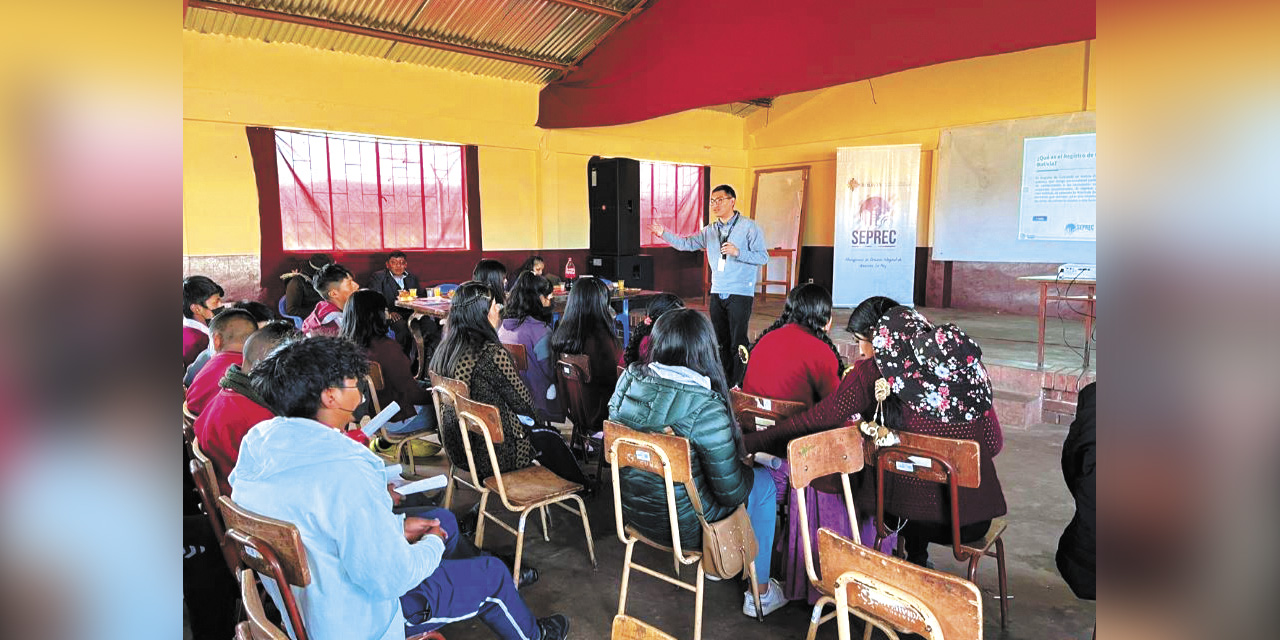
x=1017, y=410
x=1015, y=379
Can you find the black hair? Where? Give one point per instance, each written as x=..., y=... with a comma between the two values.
x=198, y=290
x=525, y=299
x=528, y=263
x=809, y=306
x=267, y=338
x=396, y=254
x=685, y=338
x=586, y=314
x=233, y=326
x=864, y=318
x=658, y=305
x=292, y=377
x=469, y=327
x=329, y=277
x=727, y=189
x=492, y=273
x=868, y=313
x=259, y=311
x=364, y=317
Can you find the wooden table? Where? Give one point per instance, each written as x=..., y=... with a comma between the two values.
x=1089, y=299
x=439, y=307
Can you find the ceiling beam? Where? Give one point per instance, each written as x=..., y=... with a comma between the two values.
x=587, y=6
x=635, y=11
x=420, y=41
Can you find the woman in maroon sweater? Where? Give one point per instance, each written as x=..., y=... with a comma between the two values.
x=939, y=388
x=794, y=359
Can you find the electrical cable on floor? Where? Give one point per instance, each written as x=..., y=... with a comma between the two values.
x=1084, y=369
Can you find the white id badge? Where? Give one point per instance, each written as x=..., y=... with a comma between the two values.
x=720, y=266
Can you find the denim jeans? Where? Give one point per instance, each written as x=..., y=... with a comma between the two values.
x=762, y=508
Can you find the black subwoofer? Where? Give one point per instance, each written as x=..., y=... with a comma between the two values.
x=636, y=270
x=613, y=196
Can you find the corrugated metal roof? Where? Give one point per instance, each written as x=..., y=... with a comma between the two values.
x=543, y=30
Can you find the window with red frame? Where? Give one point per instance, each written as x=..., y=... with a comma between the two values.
x=671, y=195
x=348, y=192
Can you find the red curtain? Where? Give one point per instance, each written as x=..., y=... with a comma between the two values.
x=672, y=195
x=356, y=193
x=402, y=219
x=684, y=54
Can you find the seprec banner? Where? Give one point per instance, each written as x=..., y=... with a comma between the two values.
x=877, y=192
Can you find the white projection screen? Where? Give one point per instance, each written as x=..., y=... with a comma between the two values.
x=978, y=194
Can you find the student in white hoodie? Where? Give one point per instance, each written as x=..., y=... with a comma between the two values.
x=374, y=574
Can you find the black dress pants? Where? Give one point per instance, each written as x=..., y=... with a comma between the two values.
x=730, y=316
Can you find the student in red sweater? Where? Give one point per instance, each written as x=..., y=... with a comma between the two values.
x=236, y=407
x=939, y=387
x=201, y=299
x=230, y=329
x=794, y=358
x=335, y=284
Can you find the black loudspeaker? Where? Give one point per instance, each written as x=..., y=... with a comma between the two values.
x=636, y=270
x=613, y=197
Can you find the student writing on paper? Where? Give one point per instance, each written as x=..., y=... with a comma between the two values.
x=374, y=574
x=365, y=322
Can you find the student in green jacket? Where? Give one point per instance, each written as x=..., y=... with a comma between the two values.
x=683, y=387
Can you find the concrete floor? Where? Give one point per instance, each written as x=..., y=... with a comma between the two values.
x=1041, y=605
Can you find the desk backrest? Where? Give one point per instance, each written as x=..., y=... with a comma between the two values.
x=921, y=456
x=908, y=597
x=519, y=354
x=756, y=413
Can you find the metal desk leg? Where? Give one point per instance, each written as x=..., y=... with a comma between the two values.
x=1088, y=326
x=1044, y=301
x=626, y=324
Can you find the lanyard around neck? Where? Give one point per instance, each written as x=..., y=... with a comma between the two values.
x=724, y=237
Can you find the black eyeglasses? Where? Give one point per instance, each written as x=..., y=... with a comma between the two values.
x=718, y=200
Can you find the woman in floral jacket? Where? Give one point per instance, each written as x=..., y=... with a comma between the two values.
x=939, y=388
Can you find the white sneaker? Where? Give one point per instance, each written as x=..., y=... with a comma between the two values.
x=771, y=600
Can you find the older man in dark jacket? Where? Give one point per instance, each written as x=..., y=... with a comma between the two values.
x=390, y=282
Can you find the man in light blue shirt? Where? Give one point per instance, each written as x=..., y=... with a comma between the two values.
x=735, y=251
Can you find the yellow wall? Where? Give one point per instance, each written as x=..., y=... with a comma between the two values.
x=912, y=107
x=532, y=181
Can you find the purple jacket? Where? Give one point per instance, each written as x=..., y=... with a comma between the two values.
x=535, y=335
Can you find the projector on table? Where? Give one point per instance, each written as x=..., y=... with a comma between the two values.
x=1074, y=271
